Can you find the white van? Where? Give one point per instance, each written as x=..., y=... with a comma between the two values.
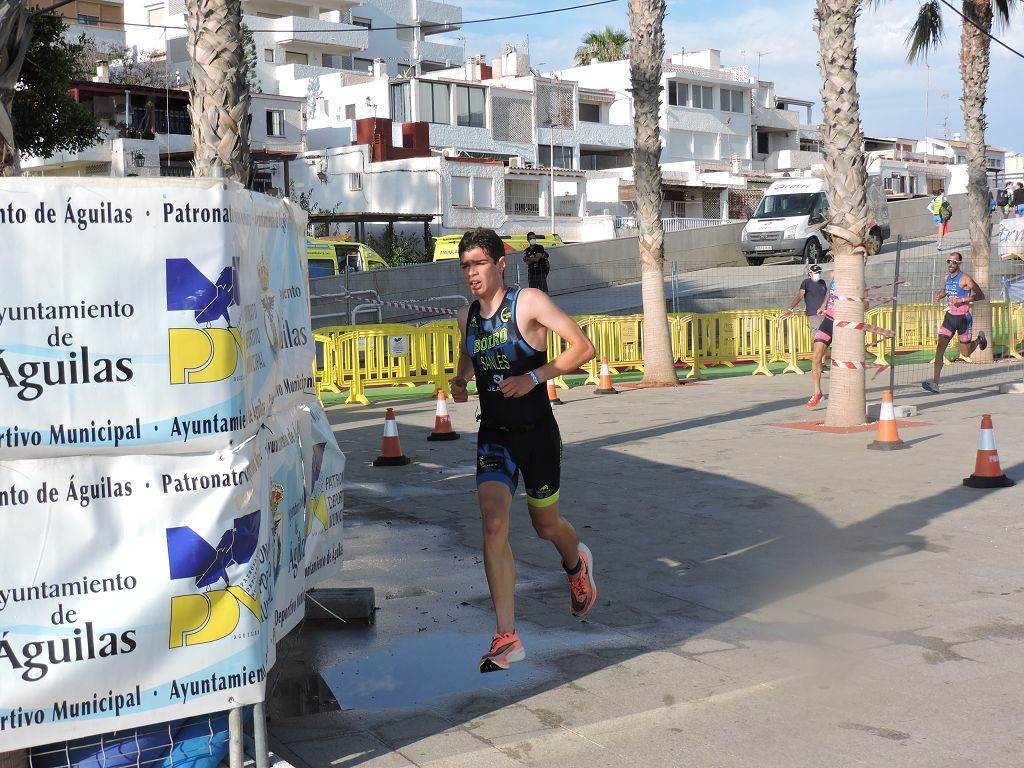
x=787, y=218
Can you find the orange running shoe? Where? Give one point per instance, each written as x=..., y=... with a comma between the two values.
x=582, y=589
x=814, y=400
x=504, y=650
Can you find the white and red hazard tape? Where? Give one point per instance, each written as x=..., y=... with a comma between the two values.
x=858, y=365
x=866, y=327
x=417, y=307
x=866, y=299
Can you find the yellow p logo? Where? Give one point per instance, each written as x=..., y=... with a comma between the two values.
x=209, y=616
x=203, y=355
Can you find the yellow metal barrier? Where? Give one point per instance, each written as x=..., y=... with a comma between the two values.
x=355, y=357
x=619, y=340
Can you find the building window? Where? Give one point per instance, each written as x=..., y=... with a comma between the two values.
x=469, y=105
x=563, y=156
x=435, y=103
x=88, y=20
x=294, y=57
x=156, y=16
x=275, y=122
x=762, y=144
x=705, y=146
x=461, y=191
x=703, y=97
x=268, y=55
x=355, y=182
x=362, y=65
x=483, y=193
x=590, y=113
x=733, y=145
x=401, y=110
x=350, y=111
x=678, y=94
x=359, y=21
x=732, y=101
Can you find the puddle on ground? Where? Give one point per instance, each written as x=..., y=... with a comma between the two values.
x=418, y=671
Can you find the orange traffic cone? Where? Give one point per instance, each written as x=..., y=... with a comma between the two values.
x=987, y=473
x=553, y=393
x=888, y=438
x=442, y=423
x=604, y=386
x=391, y=448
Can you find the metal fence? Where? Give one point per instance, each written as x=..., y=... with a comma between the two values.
x=626, y=225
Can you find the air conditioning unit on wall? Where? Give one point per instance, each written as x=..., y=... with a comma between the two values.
x=515, y=161
x=450, y=152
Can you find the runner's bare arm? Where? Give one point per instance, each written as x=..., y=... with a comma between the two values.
x=536, y=315
x=976, y=293
x=464, y=368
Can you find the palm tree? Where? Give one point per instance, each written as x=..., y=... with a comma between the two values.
x=925, y=35
x=219, y=93
x=607, y=45
x=14, y=40
x=646, y=20
x=845, y=177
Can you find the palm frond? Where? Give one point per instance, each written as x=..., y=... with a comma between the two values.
x=927, y=32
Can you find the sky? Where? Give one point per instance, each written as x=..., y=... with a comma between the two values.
x=896, y=98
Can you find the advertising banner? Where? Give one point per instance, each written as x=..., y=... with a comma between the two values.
x=169, y=484
x=140, y=594
x=180, y=315
x=1011, y=239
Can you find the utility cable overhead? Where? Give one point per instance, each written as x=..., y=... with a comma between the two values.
x=988, y=34
x=440, y=27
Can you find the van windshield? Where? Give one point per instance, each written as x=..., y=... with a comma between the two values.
x=779, y=206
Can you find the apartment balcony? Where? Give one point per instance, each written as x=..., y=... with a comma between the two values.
x=600, y=135
x=300, y=71
x=439, y=52
x=776, y=119
x=434, y=17
x=313, y=33
x=274, y=7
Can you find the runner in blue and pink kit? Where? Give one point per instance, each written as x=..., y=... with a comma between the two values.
x=822, y=340
x=960, y=291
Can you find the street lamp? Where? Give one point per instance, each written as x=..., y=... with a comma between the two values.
x=138, y=159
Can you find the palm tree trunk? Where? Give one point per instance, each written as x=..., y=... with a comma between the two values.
x=219, y=93
x=14, y=40
x=647, y=49
x=845, y=176
x=974, y=62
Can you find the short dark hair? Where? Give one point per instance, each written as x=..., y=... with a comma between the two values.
x=957, y=253
x=531, y=234
x=485, y=239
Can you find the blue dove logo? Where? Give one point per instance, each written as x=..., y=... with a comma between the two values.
x=214, y=614
x=204, y=354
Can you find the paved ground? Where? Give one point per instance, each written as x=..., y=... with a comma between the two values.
x=768, y=597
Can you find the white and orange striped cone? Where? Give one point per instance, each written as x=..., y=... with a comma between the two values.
x=553, y=393
x=391, y=448
x=442, y=421
x=604, y=386
x=888, y=439
x=987, y=472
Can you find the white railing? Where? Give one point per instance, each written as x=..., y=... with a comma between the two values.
x=567, y=205
x=520, y=205
x=623, y=224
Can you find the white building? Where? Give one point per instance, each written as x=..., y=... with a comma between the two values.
x=304, y=39
x=955, y=152
x=903, y=170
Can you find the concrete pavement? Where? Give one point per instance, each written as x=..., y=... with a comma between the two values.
x=767, y=596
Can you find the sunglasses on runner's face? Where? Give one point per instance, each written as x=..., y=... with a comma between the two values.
x=953, y=261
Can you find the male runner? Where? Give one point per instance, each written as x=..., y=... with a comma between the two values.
x=822, y=340
x=504, y=343
x=961, y=291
